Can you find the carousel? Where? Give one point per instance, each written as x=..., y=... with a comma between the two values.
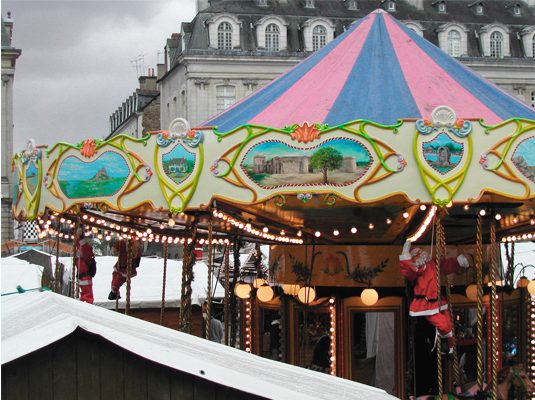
x=376, y=149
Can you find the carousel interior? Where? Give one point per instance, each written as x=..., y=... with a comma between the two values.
x=437, y=157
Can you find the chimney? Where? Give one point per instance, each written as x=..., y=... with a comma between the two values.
x=419, y=4
x=161, y=70
x=148, y=82
x=201, y=5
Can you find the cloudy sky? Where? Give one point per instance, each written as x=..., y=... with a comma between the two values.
x=77, y=66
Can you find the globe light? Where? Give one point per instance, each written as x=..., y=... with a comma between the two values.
x=471, y=292
x=522, y=282
x=242, y=290
x=264, y=293
x=290, y=289
x=258, y=282
x=531, y=288
x=369, y=296
x=306, y=295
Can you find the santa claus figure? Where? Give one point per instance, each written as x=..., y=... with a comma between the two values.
x=418, y=267
x=86, y=268
x=120, y=269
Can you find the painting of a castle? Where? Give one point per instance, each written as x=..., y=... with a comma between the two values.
x=524, y=158
x=334, y=162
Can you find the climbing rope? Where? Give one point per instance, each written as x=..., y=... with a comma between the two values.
x=493, y=309
x=208, y=320
x=479, y=283
x=227, y=291
x=165, y=255
x=438, y=258
x=73, y=290
x=129, y=259
x=233, y=299
x=57, y=277
x=187, y=278
x=441, y=238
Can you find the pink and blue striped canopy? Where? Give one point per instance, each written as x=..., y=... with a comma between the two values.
x=377, y=70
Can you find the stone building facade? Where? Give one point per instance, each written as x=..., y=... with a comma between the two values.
x=140, y=112
x=10, y=55
x=232, y=47
x=295, y=165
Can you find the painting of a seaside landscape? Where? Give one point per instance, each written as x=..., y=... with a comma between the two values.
x=337, y=162
x=524, y=158
x=178, y=164
x=99, y=178
x=31, y=177
x=443, y=153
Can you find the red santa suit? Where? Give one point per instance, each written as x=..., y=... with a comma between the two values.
x=85, y=279
x=120, y=270
x=420, y=269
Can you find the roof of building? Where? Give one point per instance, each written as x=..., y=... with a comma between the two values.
x=377, y=70
x=32, y=321
x=195, y=33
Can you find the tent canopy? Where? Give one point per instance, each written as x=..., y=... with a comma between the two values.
x=32, y=321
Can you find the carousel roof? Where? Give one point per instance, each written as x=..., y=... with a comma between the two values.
x=378, y=70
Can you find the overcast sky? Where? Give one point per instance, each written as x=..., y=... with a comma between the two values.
x=76, y=64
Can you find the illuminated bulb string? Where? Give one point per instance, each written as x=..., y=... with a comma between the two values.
x=249, y=228
x=247, y=335
x=514, y=238
x=421, y=230
x=332, y=333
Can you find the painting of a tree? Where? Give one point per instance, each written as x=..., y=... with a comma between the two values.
x=325, y=159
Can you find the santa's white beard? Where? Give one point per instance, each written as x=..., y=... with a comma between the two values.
x=421, y=260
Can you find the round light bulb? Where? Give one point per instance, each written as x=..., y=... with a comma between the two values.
x=336, y=232
x=423, y=207
x=306, y=295
x=242, y=290
x=498, y=216
x=317, y=234
x=471, y=292
x=405, y=215
x=171, y=222
x=264, y=293
x=369, y=296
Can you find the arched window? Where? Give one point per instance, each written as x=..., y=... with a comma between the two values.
x=272, y=37
x=319, y=37
x=533, y=98
x=454, y=43
x=224, y=36
x=225, y=97
x=496, y=44
x=533, y=46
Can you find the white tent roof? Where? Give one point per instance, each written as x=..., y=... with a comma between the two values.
x=146, y=290
x=17, y=272
x=31, y=321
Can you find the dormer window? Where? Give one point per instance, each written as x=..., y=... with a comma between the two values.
x=479, y=9
x=309, y=3
x=442, y=7
x=351, y=4
x=224, y=36
x=515, y=9
x=261, y=3
x=391, y=5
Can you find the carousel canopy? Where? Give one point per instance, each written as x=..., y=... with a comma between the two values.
x=378, y=70
x=352, y=146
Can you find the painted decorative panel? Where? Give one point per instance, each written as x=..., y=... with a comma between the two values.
x=336, y=162
x=524, y=158
x=101, y=177
x=442, y=153
x=178, y=164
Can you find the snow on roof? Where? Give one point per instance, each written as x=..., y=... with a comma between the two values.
x=17, y=272
x=31, y=321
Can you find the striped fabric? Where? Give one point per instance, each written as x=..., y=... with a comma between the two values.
x=377, y=70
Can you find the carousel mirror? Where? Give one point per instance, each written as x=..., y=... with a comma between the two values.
x=311, y=336
x=374, y=343
x=511, y=328
x=269, y=331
